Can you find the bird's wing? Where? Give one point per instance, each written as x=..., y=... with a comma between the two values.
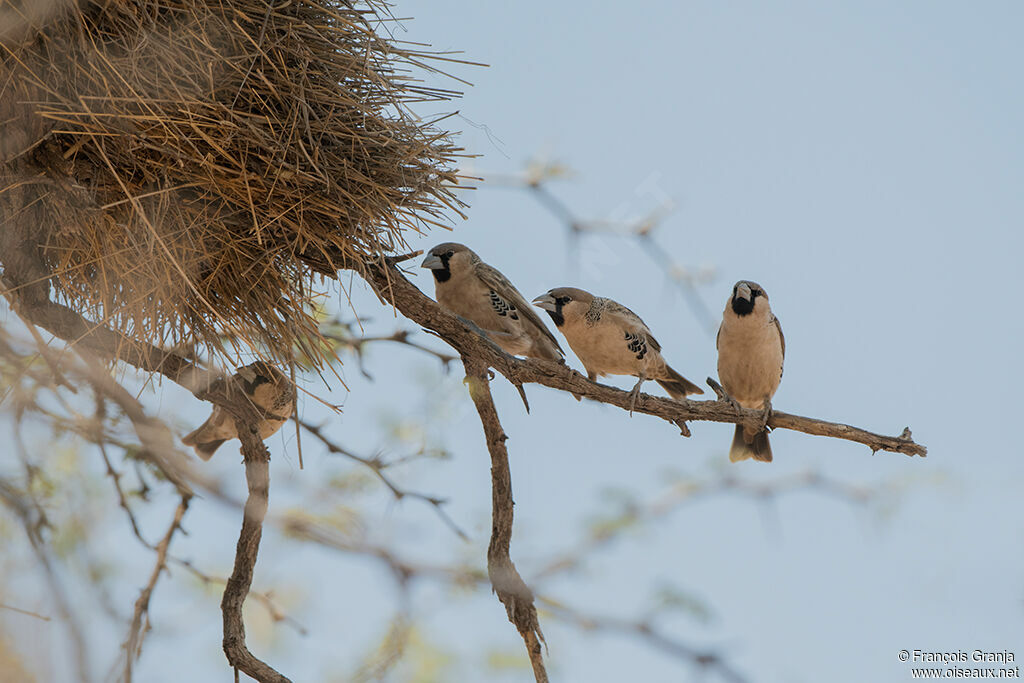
x=510, y=297
x=630, y=321
x=782, y=337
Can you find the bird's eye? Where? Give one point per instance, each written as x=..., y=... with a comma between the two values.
x=564, y=299
x=449, y=253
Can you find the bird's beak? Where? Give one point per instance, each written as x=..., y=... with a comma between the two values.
x=546, y=301
x=743, y=292
x=433, y=262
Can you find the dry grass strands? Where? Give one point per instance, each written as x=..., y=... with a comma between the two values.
x=183, y=169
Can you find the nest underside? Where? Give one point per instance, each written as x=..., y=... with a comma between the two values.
x=186, y=169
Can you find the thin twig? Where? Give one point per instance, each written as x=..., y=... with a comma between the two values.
x=704, y=659
x=377, y=466
x=26, y=612
x=685, y=491
x=535, y=182
x=25, y=512
x=264, y=598
x=133, y=645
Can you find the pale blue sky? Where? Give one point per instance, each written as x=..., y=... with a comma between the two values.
x=862, y=161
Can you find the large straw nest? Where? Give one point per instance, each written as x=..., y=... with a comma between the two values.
x=187, y=167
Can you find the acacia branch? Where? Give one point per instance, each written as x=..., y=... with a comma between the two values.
x=257, y=477
x=652, y=508
x=377, y=466
x=506, y=581
x=536, y=182
x=389, y=282
x=133, y=646
x=704, y=659
x=266, y=598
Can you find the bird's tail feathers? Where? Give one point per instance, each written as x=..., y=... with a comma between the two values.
x=206, y=450
x=200, y=441
x=678, y=386
x=192, y=438
x=758, y=448
x=545, y=348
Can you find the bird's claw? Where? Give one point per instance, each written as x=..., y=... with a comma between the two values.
x=766, y=414
x=633, y=396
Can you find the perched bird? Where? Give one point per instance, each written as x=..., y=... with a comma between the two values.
x=267, y=388
x=610, y=339
x=470, y=288
x=751, y=349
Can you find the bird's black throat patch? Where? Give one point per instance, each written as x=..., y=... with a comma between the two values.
x=443, y=274
x=741, y=306
x=556, y=315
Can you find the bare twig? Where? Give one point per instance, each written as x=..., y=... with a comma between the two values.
x=265, y=598
x=26, y=513
x=690, y=491
x=536, y=183
x=506, y=581
x=122, y=500
x=26, y=612
x=133, y=646
x=377, y=466
x=153, y=433
x=357, y=343
x=705, y=660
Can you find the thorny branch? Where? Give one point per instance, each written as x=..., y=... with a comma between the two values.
x=505, y=580
x=257, y=477
x=341, y=334
x=265, y=598
x=389, y=282
x=26, y=513
x=690, y=491
x=377, y=466
x=535, y=182
x=133, y=646
x=707, y=661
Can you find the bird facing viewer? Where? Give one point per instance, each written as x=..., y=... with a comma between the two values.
x=751, y=350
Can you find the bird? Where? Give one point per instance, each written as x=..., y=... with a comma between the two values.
x=468, y=287
x=751, y=349
x=610, y=339
x=267, y=388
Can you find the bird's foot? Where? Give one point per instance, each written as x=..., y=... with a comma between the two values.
x=633, y=395
x=766, y=415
